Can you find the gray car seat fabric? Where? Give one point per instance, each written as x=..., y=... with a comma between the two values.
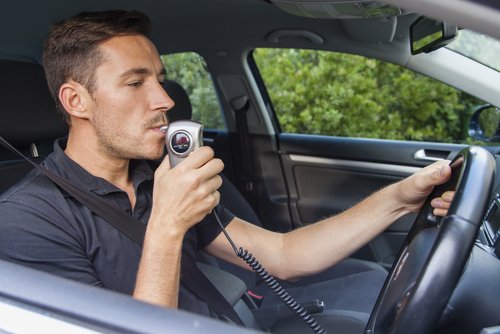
x=28, y=118
x=26, y=107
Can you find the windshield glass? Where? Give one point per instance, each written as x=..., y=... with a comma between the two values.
x=481, y=48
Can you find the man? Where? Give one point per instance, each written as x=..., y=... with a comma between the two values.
x=106, y=78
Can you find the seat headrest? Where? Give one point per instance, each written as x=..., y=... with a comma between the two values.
x=27, y=111
x=183, y=109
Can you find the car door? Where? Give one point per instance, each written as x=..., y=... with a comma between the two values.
x=354, y=128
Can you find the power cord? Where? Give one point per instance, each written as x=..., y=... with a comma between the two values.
x=272, y=282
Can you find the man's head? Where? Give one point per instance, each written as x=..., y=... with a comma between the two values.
x=71, y=50
x=106, y=77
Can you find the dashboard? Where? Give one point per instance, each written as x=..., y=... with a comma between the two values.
x=489, y=233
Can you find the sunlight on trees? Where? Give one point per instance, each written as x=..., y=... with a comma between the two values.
x=319, y=92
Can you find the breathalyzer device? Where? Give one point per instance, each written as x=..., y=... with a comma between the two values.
x=182, y=138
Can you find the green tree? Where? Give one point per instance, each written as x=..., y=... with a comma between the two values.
x=189, y=70
x=318, y=92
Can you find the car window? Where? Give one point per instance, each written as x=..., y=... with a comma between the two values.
x=480, y=47
x=190, y=70
x=336, y=94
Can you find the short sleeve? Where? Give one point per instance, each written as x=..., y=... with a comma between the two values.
x=208, y=229
x=43, y=241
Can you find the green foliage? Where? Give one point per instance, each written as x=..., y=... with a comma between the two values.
x=189, y=70
x=328, y=93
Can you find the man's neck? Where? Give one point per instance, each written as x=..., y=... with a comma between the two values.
x=100, y=164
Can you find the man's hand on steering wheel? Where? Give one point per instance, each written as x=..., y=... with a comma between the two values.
x=435, y=252
x=442, y=204
x=415, y=189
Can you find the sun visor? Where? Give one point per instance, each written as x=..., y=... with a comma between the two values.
x=372, y=30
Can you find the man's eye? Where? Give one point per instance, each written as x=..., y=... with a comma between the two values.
x=135, y=84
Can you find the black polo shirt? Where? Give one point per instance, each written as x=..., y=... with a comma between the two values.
x=44, y=228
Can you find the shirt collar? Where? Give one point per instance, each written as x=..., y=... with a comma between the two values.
x=59, y=163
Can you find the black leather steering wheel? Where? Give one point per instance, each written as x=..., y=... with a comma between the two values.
x=435, y=251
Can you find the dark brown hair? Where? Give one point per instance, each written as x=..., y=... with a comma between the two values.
x=71, y=50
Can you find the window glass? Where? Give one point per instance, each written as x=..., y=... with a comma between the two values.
x=189, y=69
x=481, y=48
x=327, y=93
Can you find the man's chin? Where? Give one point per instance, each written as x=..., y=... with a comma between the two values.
x=152, y=156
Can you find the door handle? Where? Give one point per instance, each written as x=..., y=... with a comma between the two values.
x=430, y=155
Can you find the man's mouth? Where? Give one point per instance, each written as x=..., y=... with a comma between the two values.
x=158, y=122
x=164, y=128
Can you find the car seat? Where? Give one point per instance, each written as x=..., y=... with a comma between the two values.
x=28, y=118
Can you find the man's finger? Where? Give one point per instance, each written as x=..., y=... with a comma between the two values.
x=433, y=175
x=438, y=203
x=448, y=196
x=197, y=158
x=440, y=212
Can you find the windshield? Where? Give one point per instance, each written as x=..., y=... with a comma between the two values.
x=481, y=48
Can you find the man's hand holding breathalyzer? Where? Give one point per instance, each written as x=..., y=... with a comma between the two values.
x=185, y=194
x=182, y=197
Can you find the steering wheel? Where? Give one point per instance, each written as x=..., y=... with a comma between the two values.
x=435, y=251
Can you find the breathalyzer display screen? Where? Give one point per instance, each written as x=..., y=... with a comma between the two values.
x=180, y=142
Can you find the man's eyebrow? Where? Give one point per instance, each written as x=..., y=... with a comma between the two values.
x=137, y=70
x=141, y=71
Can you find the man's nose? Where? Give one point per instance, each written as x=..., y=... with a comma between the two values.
x=160, y=99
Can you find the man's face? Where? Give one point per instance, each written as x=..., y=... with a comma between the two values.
x=129, y=103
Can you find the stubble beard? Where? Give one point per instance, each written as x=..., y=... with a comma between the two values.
x=119, y=146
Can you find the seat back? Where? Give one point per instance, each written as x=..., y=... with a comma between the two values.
x=27, y=111
x=183, y=108
x=28, y=118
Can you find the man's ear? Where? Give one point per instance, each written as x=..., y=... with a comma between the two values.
x=74, y=98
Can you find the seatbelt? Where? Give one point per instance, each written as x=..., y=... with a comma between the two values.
x=191, y=276
x=240, y=106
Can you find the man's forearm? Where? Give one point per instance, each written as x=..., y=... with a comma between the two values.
x=315, y=247
x=323, y=244
x=159, y=270
x=318, y=246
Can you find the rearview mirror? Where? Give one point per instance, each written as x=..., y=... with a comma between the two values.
x=485, y=124
x=428, y=35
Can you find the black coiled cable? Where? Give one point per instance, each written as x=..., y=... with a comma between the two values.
x=280, y=291
x=273, y=283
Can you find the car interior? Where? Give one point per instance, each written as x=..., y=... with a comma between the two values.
x=282, y=180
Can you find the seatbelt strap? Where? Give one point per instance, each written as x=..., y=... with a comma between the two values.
x=240, y=106
x=191, y=276
x=195, y=280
